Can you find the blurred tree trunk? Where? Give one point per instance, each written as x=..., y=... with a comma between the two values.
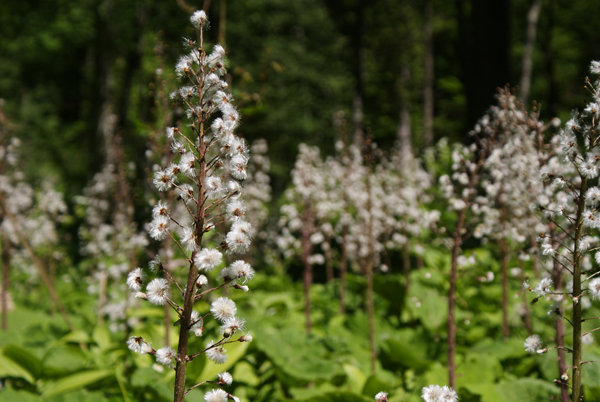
x=358, y=70
x=483, y=46
x=429, y=77
x=547, y=28
x=403, y=132
x=222, y=21
x=533, y=17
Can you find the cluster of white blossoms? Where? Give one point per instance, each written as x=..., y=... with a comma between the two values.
x=332, y=197
x=435, y=393
x=208, y=163
x=109, y=236
x=29, y=217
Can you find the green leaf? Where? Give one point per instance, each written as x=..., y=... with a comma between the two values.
x=590, y=372
x=63, y=359
x=9, y=368
x=527, y=390
x=356, y=378
x=11, y=395
x=147, y=377
x=235, y=351
x=244, y=372
x=339, y=396
x=75, y=381
x=374, y=385
x=512, y=348
x=407, y=349
x=77, y=337
x=23, y=358
x=478, y=369
x=391, y=288
x=102, y=337
x=298, y=356
x=431, y=309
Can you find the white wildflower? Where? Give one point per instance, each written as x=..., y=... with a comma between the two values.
x=216, y=354
x=533, y=343
x=225, y=378
x=158, y=291
x=166, y=355
x=135, y=279
x=208, y=258
x=223, y=308
x=594, y=288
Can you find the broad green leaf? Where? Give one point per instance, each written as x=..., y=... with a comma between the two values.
x=244, y=372
x=102, y=337
x=374, y=385
x=430, y=308
x=300, y=357
x=24, y=359
x=391, y=288
x=147, y=377
x=339, y=396
x=590, y=372
x=235, y=351
x=11, y=395
x=63, y=359
x=306, y=393
x=75, y=381
x=80, y=395
x=356, y=378
x=77, y=337
x=9, y=368
x=408, y=349
x=478, y=369
x=527, y=390
x=512, y=348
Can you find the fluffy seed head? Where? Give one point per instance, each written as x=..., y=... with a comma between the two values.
x=223, y=308
x=533, y=343
x=158, y=291
x=135, y=279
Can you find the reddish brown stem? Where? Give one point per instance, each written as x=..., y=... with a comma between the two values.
x=452, y=299
x=307, y=275
x=504, y=258
x=343, y=270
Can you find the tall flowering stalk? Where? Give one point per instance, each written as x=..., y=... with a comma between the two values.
x=461, y=190
x=211, y=162
x=571, y=210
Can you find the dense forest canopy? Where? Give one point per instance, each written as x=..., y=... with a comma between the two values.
x=296, y=67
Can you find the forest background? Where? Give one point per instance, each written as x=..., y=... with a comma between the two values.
x=307, y=71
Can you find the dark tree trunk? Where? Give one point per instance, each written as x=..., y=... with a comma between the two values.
x=358, y=70
x=429, y=77
x=533, y=17
x=484, y=41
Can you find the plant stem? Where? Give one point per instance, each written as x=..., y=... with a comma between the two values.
x=452, y=299
x=188, y=306
x=504, y=258
x=343, y=270
x=406, y=263
x=307, y=275
x=576, y=396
